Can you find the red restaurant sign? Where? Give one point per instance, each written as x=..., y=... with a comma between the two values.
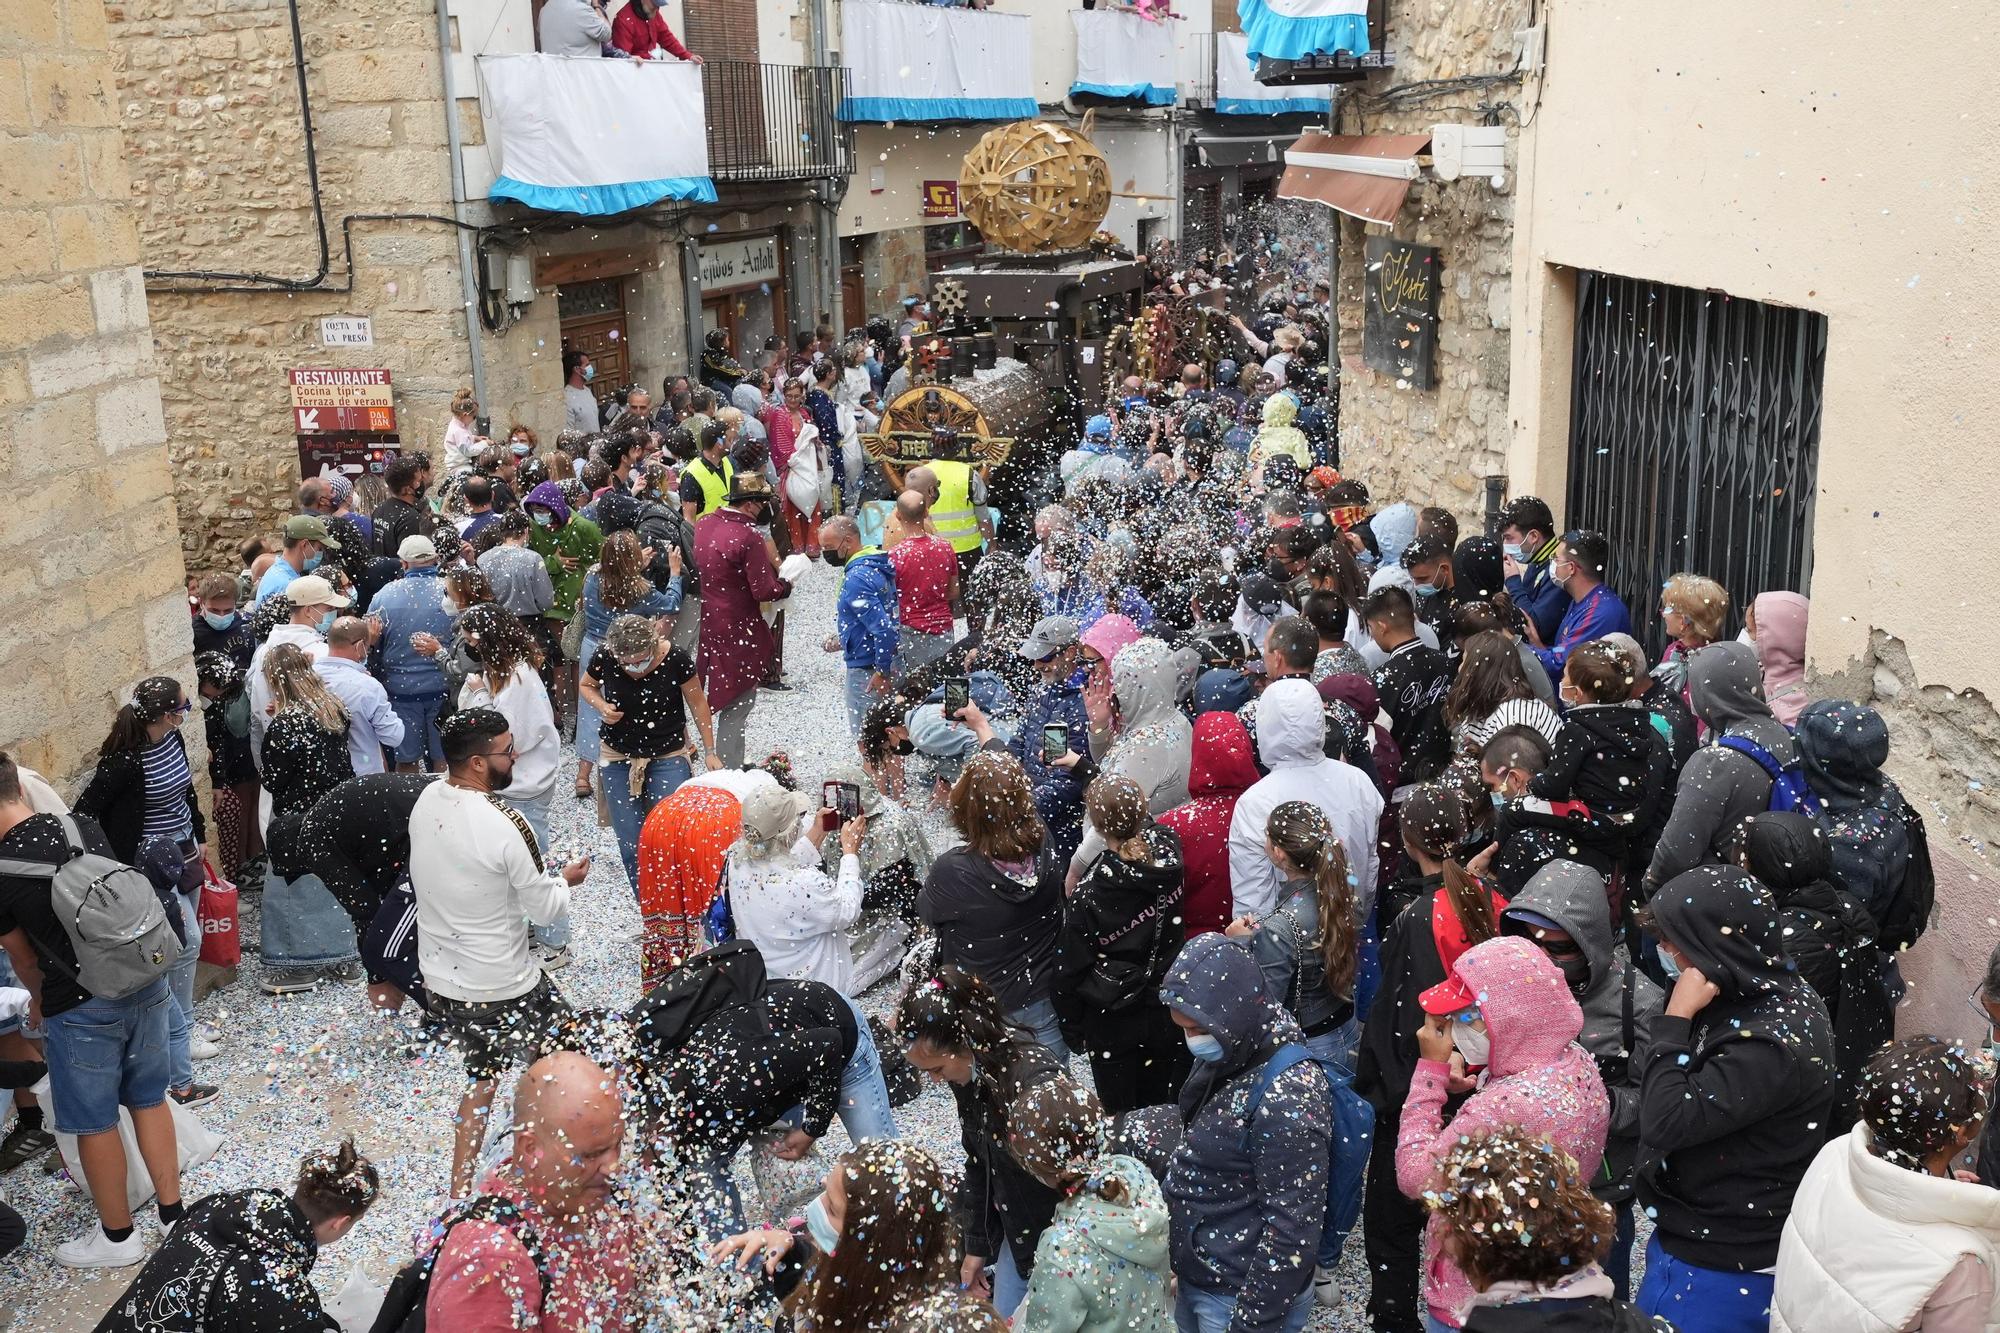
x=327, y=402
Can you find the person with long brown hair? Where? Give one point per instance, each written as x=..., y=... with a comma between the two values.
x=1491, y=691
x=954, y=1031
x=616, y=586
x=1451, y=912
x=879, y=1239
x=1101, y=1267
x=996, y=902
x=1121, y=931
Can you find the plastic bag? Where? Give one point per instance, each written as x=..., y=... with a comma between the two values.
x=197, y=1143
x=356, y=1304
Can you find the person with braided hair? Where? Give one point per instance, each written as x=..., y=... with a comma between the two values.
x=1101, y=1267
x=241, y=1261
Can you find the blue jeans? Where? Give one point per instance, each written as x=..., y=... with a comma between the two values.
x=303, y=926
x=180, y=985
x=1203, y=1311
x=1039, y=1018
x=858, y=698
x=420, y=734
x=628, y=814
x=1619, y=1262
x=536, y=813
x=589, y=722
x=1703, y=1300
x=864, y=1096
x=105, y=1054
x=1009, y=1287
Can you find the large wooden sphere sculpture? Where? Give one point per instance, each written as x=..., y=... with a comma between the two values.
x=1034, y=187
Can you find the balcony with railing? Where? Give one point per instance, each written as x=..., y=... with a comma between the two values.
x=776, y=122
x=930, y=63
x=1124, y=57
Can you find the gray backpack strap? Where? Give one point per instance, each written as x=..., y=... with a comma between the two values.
x=42, y=869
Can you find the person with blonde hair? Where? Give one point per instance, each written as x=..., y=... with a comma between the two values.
x=460, y=438
x=307, y=936
x=1693, y=610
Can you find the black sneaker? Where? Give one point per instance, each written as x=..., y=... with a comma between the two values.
x=194, y=1094
x=23, y=1144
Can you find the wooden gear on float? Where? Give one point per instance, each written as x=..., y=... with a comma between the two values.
x=932, y=421
x=1033, y=187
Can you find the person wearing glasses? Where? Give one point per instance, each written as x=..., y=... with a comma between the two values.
x=480, y=881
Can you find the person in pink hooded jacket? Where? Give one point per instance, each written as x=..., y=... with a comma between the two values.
x=1777, y=625
x=1503, y=1026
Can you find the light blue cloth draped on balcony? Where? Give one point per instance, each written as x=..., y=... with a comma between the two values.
x=926, y=63
x=1293, y=29
x=595, y=137
x=1237, y=92
x=1119, y=54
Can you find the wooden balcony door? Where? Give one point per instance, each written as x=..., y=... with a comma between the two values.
x=724, y=33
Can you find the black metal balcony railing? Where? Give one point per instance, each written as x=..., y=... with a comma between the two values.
x=775, y=122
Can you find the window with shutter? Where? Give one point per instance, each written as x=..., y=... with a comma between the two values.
x=722, y=29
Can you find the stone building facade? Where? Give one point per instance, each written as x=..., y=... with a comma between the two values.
x=1436, y=446
x=92, y=589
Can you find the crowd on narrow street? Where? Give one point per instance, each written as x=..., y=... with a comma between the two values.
x=690, y=875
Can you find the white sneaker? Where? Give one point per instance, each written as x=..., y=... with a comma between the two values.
x=208, y=1032
x=550, y=959
x=1326, y=1290
x=201, y=1048
x=94, y=1249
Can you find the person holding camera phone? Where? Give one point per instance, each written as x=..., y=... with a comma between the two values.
x=782, y=901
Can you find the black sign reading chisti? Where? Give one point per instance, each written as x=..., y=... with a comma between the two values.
x=1399, y=331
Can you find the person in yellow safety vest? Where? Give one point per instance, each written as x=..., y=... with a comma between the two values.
x=957, y=495
x=705, y=482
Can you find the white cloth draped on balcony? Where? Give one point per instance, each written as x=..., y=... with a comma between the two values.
x=578, y=135
x=1294, y=29
x=928, y=62
x=1237, y=92
x=1120, y=54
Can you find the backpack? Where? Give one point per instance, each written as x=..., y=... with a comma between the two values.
x=403, y=1305
x=1908, y=913
x=109, y=911
x=1789, y=790
x=1353, y=1136
x=729, y=976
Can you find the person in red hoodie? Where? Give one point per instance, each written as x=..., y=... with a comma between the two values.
x=1220, y=771
x=640, y=27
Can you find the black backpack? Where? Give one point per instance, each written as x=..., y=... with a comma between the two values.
x=1908, y=914
x=403, y=1305
x=728, y=976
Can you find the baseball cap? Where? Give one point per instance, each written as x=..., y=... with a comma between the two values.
x=771, y=815
x=1262, y=594
x=1450, y=996
x=1050, y=634
x=1097, y=428
x=309, y=528
x=417, y=550
x=312, y=590
x=912, y=300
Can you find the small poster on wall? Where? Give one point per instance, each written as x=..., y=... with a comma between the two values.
x=1399, y=329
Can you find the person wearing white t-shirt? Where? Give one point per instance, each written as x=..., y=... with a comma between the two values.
x=479, y=880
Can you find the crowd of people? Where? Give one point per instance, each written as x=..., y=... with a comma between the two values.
x=1313, y=870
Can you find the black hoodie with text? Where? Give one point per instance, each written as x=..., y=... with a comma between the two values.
x=239, y=1262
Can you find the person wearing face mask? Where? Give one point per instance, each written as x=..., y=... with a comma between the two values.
x=1883, y=1232
x=1561, y=910
x=374, y=722
x=1734, y=1099
x=1503, y=1025
x=569, y=545
x=864, y=616
x=579, y=403
x=218, y=626
x=1579, y=568
x=738, y=570
x=1527, y=544
x=314, y=605
x=405, y=513
x=954, y=1031
x=306, y=543
x=1056, y=701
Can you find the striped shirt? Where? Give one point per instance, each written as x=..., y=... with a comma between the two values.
x=167, y=779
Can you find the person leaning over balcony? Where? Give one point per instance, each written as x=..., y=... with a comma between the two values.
x=576, y=28
x=640, y=27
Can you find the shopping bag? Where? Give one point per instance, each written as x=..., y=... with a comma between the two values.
x=221, y=945
x=196, y=1142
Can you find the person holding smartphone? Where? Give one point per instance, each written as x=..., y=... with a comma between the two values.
x=1054, y=726
x=783, y=902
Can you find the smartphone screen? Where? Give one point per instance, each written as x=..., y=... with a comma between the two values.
x=848, y=800
x=957, y=694
x=1055, y=741
x=829, y=800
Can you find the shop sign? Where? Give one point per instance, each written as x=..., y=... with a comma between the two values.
x=739, y=263
x=1399, y=327
x=330, y=402
x=941, y=199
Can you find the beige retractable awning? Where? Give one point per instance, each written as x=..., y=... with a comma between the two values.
x=1362, y=175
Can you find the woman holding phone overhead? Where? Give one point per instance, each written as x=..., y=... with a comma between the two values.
x=779, y=897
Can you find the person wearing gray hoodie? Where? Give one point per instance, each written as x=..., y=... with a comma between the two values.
x=1246, y=1186
x=1154, y=743
x=1562, y=910
x=1719, y=787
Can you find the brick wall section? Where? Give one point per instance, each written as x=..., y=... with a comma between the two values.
x=208, y=99
x=91, y=580
x=1432, y=447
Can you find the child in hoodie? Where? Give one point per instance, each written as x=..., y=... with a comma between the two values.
x=1513, y=1022
x=1101, y=1266
x=1518, y=1218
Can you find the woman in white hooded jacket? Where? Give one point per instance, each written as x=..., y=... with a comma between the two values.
x=1883, y=1236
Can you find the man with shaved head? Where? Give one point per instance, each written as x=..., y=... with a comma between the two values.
x=926, y=584
x=553, y=1195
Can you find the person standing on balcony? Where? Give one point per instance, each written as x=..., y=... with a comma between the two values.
x=640, y=27
x=575, y=28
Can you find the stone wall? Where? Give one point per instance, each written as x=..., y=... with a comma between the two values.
x=91, y=581
x=1433, y=446
x=216, y=153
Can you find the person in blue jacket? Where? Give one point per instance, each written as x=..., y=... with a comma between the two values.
x=1579, y=566
x=1057, y=699
x=865, y=618
x=1528, y=542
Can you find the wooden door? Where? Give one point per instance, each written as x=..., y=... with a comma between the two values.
x=593, y=321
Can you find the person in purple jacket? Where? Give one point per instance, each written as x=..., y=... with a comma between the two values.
x=1594, y=610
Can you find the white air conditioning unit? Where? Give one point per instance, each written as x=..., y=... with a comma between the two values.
x=520, y=278
x=1468, y=150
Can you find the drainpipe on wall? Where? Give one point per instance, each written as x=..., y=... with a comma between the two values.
x=468, y=274
x=826, y=195
x=1496, y=496
x=691, y=305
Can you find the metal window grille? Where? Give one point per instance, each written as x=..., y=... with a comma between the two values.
x=1694, y=439
x=776, y=122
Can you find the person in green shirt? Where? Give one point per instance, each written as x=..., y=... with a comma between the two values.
x=569, y=545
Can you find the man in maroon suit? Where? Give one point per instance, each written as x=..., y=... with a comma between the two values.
x=739, y=569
